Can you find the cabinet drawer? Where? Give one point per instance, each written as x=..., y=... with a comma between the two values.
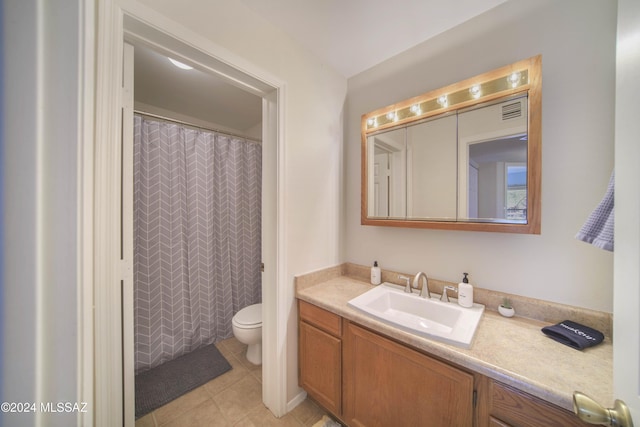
x=517, y=408
x=320, y=318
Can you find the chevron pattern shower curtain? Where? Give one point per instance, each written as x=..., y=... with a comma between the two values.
x=197, y=230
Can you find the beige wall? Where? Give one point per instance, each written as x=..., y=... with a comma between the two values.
x=577, y=41
x=313, y=131
x=254, y=132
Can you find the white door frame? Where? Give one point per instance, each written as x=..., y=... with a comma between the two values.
x=626, y=272
x=127, y=251
x=117, y=20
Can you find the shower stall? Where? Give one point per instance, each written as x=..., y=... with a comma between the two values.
x=197, y=236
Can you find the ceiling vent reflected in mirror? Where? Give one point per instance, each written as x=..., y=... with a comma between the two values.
x=511, y=111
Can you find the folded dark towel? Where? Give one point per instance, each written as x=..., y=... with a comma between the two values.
x=574, y=334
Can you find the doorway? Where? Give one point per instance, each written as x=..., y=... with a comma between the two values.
x=196, y=213
x=111, y=270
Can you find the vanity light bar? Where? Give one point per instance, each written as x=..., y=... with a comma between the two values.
x=428, y=107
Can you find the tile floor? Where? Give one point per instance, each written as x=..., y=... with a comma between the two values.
x=232, y=399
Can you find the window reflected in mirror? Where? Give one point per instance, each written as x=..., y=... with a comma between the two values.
x=493, y=146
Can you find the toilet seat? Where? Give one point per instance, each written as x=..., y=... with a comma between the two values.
x=248, y=317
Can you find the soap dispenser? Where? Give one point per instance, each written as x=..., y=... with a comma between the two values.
x=375, y=274
x=465, y=292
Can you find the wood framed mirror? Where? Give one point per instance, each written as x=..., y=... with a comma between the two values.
x=464, y=157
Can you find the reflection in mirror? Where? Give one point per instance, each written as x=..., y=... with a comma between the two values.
x=387, y=183
x=463, y=157
x=431, y=179
x=492, y=142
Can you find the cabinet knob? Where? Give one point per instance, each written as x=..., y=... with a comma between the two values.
x=590, y=411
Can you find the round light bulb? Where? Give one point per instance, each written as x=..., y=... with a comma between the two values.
x=475, y=91
x=514, y=78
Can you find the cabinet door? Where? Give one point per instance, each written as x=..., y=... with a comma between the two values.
x=388, y=384
x=320, y=367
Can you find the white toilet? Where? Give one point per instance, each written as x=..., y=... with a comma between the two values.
x=247, y=328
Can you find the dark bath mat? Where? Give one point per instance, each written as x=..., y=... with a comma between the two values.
x=172, y=379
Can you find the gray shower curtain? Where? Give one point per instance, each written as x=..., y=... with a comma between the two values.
x=197, y=230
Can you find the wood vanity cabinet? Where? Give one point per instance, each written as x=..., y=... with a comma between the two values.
x=366, y=379
x=320, y=355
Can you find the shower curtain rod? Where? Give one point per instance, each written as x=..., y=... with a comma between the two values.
x=181, y=122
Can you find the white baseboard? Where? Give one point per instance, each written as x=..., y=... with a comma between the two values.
x=298, y=399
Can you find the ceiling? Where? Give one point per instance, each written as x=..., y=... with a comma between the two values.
x=354, y=35
x=193, y=93
x=349, y=35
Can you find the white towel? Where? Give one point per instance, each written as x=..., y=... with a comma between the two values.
x=598, y=229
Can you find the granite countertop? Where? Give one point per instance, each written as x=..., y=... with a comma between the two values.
x=511, y=350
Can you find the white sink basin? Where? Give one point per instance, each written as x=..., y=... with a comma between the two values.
x=443, y=321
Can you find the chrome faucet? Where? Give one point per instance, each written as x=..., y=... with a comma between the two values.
x=444, y=297
x=407, y=286
x=424, y=292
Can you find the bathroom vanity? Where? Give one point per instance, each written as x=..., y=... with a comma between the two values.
x=366, y=372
